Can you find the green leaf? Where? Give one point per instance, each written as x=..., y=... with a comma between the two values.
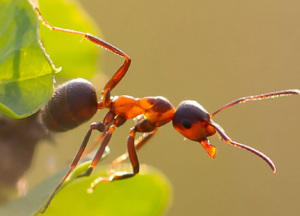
x=145, y=194
x=148, y=193
x=26, y=73
x=77, y=57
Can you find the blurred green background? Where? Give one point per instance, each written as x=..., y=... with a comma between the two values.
x=212, y=52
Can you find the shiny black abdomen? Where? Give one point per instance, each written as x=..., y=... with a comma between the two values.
x=72, y=104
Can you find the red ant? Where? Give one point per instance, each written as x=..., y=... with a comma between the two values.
x=76, y=102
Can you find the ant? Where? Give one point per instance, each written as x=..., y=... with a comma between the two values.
x=76, y=102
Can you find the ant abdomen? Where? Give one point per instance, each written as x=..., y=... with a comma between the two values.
x=72, y=104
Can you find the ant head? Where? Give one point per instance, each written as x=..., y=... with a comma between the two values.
x=192, y=121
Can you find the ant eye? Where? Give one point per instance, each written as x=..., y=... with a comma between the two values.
x=186, y=123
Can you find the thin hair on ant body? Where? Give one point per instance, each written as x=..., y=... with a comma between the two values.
x=75, y=102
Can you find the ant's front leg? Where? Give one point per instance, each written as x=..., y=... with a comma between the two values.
x=142, y=126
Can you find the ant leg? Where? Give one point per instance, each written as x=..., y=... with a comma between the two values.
x=122, y=70
x=94, y=126
x=258, y=97
x=138, y=144
x=141, y=126
x=99, y=152
x=227, y=139
x=118, y=121
x=122, y=175
x=107, y=120
x=93, y=145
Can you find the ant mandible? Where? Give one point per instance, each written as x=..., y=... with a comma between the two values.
x=76, y=102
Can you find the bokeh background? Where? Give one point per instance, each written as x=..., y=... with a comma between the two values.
x=212, y=52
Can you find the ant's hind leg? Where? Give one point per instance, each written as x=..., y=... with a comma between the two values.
x=94, y=126
x=117, y=122
x=122, y=70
